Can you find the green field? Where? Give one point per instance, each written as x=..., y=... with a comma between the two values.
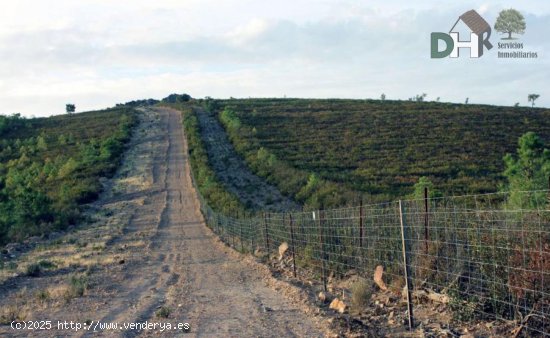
x=377, y=148
x=49, y=167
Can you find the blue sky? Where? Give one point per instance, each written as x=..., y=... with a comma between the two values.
x=97, y=53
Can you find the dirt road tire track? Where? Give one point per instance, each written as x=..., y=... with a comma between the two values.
x=213, y=290
x=160, y=253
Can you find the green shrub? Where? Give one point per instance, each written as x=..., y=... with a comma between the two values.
x=49, y=167
x=163, y=312
x=45, y=264
x=33, y=270
x=78, y=284
x=361, y=292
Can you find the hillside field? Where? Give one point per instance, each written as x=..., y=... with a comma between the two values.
x=377, y=148
x=50, y=166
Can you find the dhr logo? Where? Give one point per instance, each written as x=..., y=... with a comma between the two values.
x=479, y=29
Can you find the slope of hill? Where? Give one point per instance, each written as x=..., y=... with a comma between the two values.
x=50, y=166
x=378, y=148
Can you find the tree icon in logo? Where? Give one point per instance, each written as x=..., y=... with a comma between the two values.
x=510, y=21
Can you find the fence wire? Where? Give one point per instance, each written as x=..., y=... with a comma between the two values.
x=489, y=253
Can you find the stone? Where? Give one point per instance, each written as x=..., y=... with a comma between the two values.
x=283, y=248
x=324, y=296
x=378, y=274
x=338, y=305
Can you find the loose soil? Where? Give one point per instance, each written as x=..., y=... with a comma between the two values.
x=148, y=256
x=233, y=172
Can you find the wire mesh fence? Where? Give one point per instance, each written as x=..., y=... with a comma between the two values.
x=489, y=254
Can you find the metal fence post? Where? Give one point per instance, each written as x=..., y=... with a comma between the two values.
x=408, y=281
x=361, y=223
x=426, y=221
x=322, y=249
x=266, y=234
x=251, y=236
x=291, y=226
x=233, y=233
x=241, y=234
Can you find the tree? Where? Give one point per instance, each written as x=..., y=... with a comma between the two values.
x=467, y=100
x=70, y=108
x=420, y=98
x=510, y=21
x=424, y=182
x=383, y=97
x=177, y=98
x=532, y=98
x=528, y=171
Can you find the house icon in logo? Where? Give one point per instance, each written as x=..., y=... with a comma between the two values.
x=469, y=22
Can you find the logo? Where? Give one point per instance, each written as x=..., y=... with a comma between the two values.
x=470, y=21
x=510, y=21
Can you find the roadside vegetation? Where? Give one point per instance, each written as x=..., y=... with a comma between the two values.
x=205, y=178
x=50, y=167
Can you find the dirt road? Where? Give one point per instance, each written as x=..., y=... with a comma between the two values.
x=160, y=262
x=218, y=295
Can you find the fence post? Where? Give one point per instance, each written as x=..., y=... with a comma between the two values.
x=266, y=234
x=361, y=223
x=405, y=245
x=241, y=234
x=233, y=235
x=251, y=235
x=322, y=248
x=426, y=220
x=292, y=243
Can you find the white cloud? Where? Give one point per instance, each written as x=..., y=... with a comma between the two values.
x=244, y=33
x=483, y=9
x=98, y=53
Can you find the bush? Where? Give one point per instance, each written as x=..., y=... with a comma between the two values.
x=77, y=286
x=33, y=270
x=527, y=171
x=163, y=312
x=46, y=173
x=361, y=292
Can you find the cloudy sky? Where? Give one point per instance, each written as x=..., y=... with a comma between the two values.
x=97, y=53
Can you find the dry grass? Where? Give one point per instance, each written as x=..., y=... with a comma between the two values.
x=17, y=311
x=89, y=247
x=361, y=292
x=14, y=312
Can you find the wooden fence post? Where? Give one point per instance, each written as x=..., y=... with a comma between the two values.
x=408, y=281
